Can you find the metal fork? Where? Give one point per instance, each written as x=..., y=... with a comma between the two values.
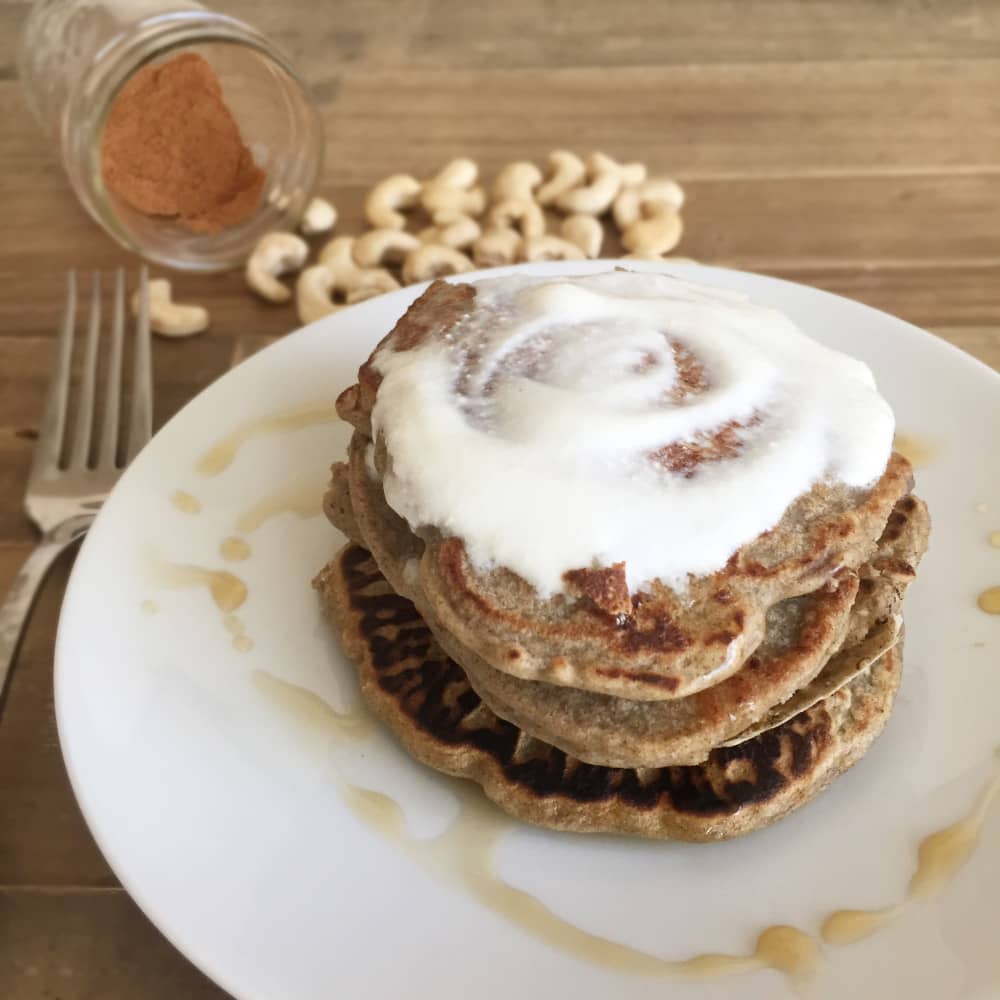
x=63, y=497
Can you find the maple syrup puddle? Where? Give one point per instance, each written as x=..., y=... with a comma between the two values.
x=303, y=498
x=185, y=502
x=234, y=549
x=220, y=456
x=228, y=591
x=918, y=449
x=939, y=857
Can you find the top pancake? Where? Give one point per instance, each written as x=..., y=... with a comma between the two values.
x=654, y=645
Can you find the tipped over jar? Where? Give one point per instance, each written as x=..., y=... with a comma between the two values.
x=185, y=133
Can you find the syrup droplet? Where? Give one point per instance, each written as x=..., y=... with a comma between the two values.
x=995, y=539
x=150, y=607
x=185, y=502
x=228, y=591
x=919, y=450
x=788, y=950
x=234, y=626
x=989, y=601
x=234, y=549
x=943, y=853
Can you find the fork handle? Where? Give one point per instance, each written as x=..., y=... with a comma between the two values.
x=16, y=608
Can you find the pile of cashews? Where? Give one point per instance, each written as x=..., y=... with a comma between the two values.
x=529, y=214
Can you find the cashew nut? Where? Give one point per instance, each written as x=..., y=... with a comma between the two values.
x=517, y=180
x=606, y=177
x=383, y=201
x=585, y=231
x=550, y=248
x=451, y=192
x=433, y=261
x=319, y=217
x=565, y=171
x=594, y=198
x=444, y=202
x=313, y=292
x=458, y=231
x=526, y=214
x=169, y=318
x=630, y=173
x=374, y=283
x=275, y=253
x=497, y=247
x=383, y=246
x=337, y=258
x=659, y=233
x=461, y=174
x=629, y=205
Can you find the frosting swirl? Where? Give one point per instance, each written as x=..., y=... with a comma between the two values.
x=581, y=422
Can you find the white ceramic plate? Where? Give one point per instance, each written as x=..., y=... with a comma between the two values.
x=218, y=794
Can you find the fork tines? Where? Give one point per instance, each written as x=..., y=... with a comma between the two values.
x=55, y=425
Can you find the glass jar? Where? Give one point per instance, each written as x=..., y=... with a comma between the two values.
x=76, y=55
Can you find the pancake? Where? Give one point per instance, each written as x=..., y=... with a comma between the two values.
x=813, y=645
x=427, y=701
x=657, y=644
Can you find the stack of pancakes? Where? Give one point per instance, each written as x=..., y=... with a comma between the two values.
x=693, y=714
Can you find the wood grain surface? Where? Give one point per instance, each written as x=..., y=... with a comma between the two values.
x=849, y=144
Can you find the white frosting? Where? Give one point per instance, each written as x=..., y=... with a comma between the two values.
x=528, y=428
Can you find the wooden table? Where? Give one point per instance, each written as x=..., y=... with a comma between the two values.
x=854, y=146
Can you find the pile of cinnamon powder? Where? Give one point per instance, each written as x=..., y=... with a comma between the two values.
x=172, y=148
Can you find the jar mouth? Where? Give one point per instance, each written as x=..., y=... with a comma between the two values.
x=276, y=116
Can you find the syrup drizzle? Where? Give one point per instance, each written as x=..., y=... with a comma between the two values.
x=220, y=456
x=463, y=854
x=939, y=857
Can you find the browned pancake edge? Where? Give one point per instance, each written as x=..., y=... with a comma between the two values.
x=427, y=701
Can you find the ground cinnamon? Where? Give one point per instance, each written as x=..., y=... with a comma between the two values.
x=171, y=147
